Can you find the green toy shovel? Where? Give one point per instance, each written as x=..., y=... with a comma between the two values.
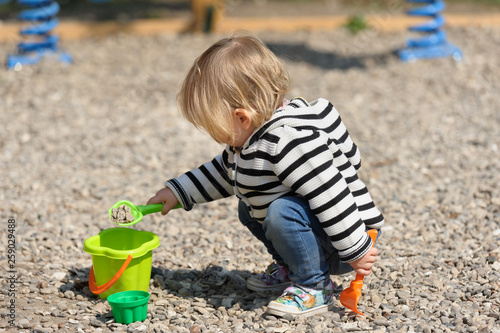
x=124, y=213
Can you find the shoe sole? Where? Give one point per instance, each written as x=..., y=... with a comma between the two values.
x=278, y=309
x=257, y=285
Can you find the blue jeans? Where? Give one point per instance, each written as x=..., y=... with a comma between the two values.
x=294, y=237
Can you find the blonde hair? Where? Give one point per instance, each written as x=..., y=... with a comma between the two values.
x=236, y=72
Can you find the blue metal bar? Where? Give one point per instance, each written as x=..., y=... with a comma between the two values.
x=49, y=42
x=41, y=13
x=436, y=38
x=429, y=26
x=440, y=51
x=34, y=57
x=429, y=10
x=41, y=28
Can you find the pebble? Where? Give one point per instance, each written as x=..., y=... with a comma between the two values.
x=69, y=294
x=195, y=329
x=24, y=323
x=59, y=275
x=96, y=323
x=106, y=128
x=227, y=302
x=381, y=322
x=101, y=307
x=62, y=306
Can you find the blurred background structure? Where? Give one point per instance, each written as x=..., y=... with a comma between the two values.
x=434, y=43
x=87, y=18
x=91, y=18
x=40, y=40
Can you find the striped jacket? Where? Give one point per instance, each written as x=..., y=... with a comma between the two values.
x=303, y=150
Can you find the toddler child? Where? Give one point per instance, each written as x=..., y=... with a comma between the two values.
x=293, y=166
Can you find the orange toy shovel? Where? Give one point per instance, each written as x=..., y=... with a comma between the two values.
x=349, y=297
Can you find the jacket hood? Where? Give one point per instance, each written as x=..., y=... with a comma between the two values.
x=292, y=115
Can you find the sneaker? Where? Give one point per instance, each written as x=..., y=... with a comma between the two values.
x=275, y=278
x=298, y=300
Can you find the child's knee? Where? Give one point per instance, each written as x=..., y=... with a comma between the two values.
x=272, y=223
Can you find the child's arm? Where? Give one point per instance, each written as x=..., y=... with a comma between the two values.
x=207, y=183
x=363, y=265
x=166, y=197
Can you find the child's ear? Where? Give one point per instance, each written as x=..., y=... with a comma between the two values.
x=243, y=118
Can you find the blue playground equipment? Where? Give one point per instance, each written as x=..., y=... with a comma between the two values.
x=39, y=40
x=434, y=43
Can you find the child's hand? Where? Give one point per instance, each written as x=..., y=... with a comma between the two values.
x=166, y=197
x=363, y=266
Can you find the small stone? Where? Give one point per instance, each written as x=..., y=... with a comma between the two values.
x=227, y=302
x=410, y=314
x=375, y=299
x=59, y=276
x=159, y=282
x=350, y=327
x=101, y=307
x=173, y=285
x=195, y=329
x=381, y=322
x=141, y=328
x=280, y=329
x=496, y=266
x=63, y=306
x=96, y=323
x=43, y=285
x=202, y=310
x=426, y=329
x=24, y=323
x=47, y=291
x=69, y=294
x=159, y=316
x=404, y=295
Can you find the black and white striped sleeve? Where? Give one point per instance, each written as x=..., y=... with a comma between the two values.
x=207, y=183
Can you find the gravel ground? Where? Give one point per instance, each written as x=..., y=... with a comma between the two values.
x=76, y=139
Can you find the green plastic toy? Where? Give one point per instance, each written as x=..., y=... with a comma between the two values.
x=129, y=306
x=137, y=211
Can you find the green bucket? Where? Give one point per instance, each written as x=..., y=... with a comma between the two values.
x=129, y=306
x=121, y=260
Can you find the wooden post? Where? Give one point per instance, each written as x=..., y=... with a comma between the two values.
x=207, y=14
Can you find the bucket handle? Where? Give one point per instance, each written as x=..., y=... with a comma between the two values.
x=100, y=289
